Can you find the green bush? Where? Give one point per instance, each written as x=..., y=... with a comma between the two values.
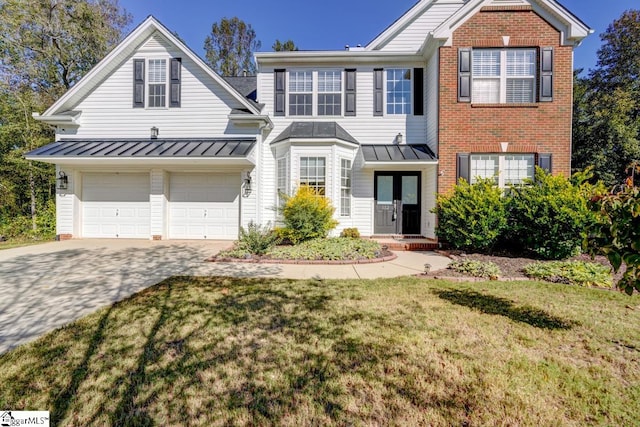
x=350, y=232
x=617, y=233
x=549, y=217
x=256, y=239
x=579, y=273
x=475, y=268
x=21, y=227
x=473, y=217
x=307, y=215
x=335, y=248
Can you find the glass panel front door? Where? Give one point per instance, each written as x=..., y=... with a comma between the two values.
x=397, y=203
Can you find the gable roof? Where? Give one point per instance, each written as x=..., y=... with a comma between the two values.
x=127, y=47
x=573, y=28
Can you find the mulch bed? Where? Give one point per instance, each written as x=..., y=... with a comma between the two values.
x=510, y=266
x=384, y=256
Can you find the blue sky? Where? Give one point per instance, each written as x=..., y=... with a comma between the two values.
x=332, y=24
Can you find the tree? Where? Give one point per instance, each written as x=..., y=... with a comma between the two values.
x=606, y=121
x=46, y=47
x=288, y=46
x=230, y=46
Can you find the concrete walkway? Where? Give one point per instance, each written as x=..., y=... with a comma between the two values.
x=46, y=286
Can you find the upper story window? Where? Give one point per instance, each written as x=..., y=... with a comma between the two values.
x=159, y=80
x=300, y=93
x=504, y=76
x=157, y=83
x=329, y=93
x=398, y=91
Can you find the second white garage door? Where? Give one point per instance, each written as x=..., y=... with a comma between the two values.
x=204, y=206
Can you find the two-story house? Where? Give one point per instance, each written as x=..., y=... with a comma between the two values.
x=153, y=144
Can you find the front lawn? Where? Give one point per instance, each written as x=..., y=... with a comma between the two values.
x=216, y=351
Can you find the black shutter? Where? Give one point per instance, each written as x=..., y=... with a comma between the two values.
x=545, y=162
x=464, y=74
x=418, y=92
x=464, y=166
x=350, y=92
x=378, y=99
x=138, y=83
x=176, y=71
x=279, y=92
x=546, y=74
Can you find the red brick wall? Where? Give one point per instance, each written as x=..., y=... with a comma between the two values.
x=531, y=128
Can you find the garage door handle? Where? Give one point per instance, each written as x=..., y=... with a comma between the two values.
x=117, y=212
x=205, y=213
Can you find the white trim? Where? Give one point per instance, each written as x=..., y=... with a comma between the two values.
x=398, y=164
x=128, y=47
x=59, y=119
x=319, y=141
x=335, y=57
x=143, y=161
x=572, y=30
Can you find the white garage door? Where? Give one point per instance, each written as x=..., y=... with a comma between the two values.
x=115, y=205
x=204, y=206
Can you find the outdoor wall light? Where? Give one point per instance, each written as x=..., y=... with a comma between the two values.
x=63, y=180
x=154, y=132
x=399, y=138
x=247, y=185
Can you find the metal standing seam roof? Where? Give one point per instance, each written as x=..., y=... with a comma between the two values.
x=140, y=148
x=397, y=153
x=315, y=130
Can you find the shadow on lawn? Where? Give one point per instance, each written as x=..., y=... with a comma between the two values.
x=490, y=304
x=237, y=351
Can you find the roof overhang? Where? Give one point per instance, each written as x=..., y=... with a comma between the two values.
x=65, y=119
x=316, y=142
x=399, y=156
x=146, y=152
x=572, y=29
x=331, y=57
x=262, y=121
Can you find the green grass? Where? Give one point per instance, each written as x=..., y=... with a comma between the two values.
x=16, y=243
x=216, y=351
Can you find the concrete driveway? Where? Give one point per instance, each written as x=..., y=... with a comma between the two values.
x=46, y=286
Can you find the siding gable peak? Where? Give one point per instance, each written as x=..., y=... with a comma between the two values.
x=143, y=33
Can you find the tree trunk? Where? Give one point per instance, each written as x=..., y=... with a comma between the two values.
x=32, y=194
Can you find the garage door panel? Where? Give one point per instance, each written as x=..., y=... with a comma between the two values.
x=204, y=206
x=116, y=205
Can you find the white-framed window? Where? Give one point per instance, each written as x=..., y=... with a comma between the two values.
x=329, y=93
x=157, y=86
x=502, y=76
x=398, y=91
x=345, y=187
x=300, y=93
x=282, y=170
x=504, y=169
x=313, y=173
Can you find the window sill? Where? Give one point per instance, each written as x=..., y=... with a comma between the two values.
x=514, y=105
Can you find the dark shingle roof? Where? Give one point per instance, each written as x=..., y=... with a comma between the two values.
x=397, y=152
x=101, y=148
x=315, y=130
x=247, y=86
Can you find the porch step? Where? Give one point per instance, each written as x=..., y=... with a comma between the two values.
x=407, y=243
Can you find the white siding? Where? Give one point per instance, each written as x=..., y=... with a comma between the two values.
x=429, y=190
x=65, y=203
x=414, y=34
x=107, y=111
x=158, y=202
x=431, y=99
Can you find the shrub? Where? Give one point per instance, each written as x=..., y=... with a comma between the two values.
x=579, y=273
x=350, y=232
x=487, y=270
x=548, y=217
x=617, y=233
x=307, y=215
x=21, y=227
x=336, y=248
x=473, y=217
x=256, y=239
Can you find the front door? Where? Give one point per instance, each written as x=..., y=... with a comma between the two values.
x=397, y=203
